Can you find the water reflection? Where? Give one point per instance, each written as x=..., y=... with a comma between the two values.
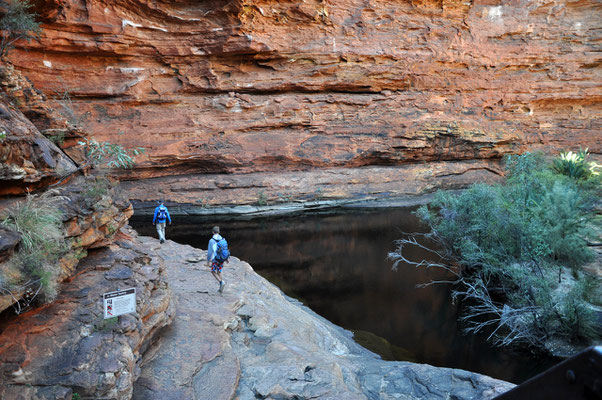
x=336, y=264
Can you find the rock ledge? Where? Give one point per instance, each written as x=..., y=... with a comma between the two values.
x=252, y=342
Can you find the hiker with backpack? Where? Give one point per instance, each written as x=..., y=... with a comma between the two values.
x=217, y=255
x=159, y=219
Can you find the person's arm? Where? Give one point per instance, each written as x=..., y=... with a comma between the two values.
x=211, y=249
x=155, y=216
x=168, y=217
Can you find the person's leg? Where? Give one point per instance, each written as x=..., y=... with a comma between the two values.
x=216, y=271
x=161, y=231
x=222, y=282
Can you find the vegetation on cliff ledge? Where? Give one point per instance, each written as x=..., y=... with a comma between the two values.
x=516, y=251
x=16, y=23
x=34, y=269
x=109, y=154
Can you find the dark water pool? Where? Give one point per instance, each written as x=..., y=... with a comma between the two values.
x=336, y=263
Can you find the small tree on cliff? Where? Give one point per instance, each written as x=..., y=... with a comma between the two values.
x=17, y=23
x=109, y=154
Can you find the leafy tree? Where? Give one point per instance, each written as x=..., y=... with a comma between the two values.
x=17, y=23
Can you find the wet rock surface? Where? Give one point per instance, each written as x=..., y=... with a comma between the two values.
x=253, y=342
x=67, y=348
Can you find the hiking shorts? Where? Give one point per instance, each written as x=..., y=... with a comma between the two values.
x=216, y=266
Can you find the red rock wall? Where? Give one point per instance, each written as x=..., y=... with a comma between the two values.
x=243, y=86
x=28, y=160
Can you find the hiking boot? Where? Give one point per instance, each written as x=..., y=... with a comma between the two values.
x=221, y=286
x=161, y=241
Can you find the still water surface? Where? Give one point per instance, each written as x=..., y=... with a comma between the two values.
x=336, y=264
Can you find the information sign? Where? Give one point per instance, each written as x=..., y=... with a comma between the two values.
x=119, y=302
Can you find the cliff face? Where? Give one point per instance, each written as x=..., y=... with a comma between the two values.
x=240, y=86
x=27, y=159
x=61, y=348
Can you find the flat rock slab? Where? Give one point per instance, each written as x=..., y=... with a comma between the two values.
x=253, y=342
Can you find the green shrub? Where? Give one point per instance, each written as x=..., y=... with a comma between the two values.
x=39, y=221
x=262, y=199
x=504, y=242
x=204, y=203
x=106, y=325
x=110, y=155
x=575, y=165
x=17, y=23
x=578, y=320
x=67, y=109
x=57, y=138
x=96, y=188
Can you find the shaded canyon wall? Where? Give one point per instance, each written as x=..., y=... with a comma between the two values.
x=264, y=87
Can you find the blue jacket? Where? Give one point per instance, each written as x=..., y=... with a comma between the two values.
x=161, y=220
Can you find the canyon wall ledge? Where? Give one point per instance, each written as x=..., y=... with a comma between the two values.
x=265, y=193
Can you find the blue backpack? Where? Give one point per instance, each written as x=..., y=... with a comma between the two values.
x=162, y=214
x=222, y=253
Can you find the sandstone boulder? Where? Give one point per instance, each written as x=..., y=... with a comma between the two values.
x=8, y=241
x=27, y=159
x=92, y=212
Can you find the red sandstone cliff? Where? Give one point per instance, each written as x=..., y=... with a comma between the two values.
x=51, y=351
x=241, y=86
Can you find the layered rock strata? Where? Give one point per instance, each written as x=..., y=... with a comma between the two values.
x=57, y=124
x=290, y=190
x=66, y=348
x=92, y=211
x=252, y=342
x=246, y=87
x=28, y=160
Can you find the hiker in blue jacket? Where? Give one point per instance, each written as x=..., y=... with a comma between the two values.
x=159, y=219
x=217, y=254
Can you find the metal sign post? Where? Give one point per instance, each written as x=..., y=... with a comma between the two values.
x=119, y=302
